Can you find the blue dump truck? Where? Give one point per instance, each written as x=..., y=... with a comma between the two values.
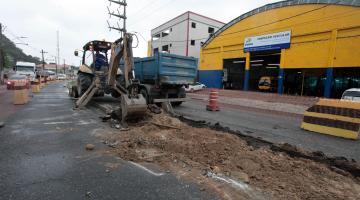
x=163, y=76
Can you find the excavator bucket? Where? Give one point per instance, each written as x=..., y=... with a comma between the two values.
x=132, y=107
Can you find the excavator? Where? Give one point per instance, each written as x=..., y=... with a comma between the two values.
x=106, y=77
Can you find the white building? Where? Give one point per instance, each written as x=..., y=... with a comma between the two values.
x=184, y=34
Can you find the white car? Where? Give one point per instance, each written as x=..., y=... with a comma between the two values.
x=29, y=74
x=195, y=87
x=61, y=77
x=351, y=95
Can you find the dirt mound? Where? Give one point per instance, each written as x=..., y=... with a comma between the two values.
x=204, y=155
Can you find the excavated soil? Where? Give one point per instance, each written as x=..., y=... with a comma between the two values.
x=229, y=164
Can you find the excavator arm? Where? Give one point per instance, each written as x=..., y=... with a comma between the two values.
x=132, y=103
x=121, y=50
x=117, y=51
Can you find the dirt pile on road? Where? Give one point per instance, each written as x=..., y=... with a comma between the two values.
x=207, y=156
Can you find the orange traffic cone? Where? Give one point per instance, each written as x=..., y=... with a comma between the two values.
x=213, y=101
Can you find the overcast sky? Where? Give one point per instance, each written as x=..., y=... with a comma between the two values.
x=80, y=21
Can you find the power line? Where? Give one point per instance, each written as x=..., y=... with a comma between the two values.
x=30, y=46
x=143, y=8
x=153, y=12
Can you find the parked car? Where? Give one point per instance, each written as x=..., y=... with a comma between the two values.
x=351, y=95
x=10, y=83
x=50, y=75
x=61, y=77
x=268, y=84
x=195, y=87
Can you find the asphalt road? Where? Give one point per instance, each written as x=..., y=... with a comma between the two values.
x=42, y=156
x=272, y=127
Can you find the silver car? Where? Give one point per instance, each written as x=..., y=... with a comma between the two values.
x=351, y=95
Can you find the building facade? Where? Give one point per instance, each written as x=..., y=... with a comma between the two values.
x=61, y=69
x=183, y=35
x=304, y=47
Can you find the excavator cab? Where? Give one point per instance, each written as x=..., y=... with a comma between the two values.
x=99, y=51
x=95, y=63
x=95, y=54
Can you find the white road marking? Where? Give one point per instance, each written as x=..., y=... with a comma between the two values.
x=146, y=169
x=236, y=184
x=252, y=193
x=55, y=123
x=83, y=122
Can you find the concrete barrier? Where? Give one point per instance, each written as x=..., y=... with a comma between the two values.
x=42, y=82
x=35, y=86
x=21, y=93
x=333, y=117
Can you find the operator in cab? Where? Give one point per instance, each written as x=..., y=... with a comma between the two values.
x=100, y=60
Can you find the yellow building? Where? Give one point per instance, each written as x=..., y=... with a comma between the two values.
x=302, y=47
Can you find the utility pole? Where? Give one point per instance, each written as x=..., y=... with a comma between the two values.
x=43, y=60
x=120, y=15
x=56, y=65
x=2, y=57
x=57, y=49
x=64, y=67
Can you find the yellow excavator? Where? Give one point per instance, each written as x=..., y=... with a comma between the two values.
x=103, y=77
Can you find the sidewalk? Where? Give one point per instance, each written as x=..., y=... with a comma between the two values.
x=264, y=101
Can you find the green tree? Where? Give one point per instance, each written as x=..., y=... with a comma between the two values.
x=14, y=54
x=8, y=61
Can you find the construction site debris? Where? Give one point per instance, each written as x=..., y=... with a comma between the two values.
x=90, y=147
x=105, y=118
x=154, y=109
x=231, y=165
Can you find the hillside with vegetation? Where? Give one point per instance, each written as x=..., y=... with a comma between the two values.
x=14, y=54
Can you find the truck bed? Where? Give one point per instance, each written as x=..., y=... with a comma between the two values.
x=166, y=69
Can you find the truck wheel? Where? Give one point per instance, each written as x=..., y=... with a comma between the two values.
x=83, y=82
x=145, y=95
